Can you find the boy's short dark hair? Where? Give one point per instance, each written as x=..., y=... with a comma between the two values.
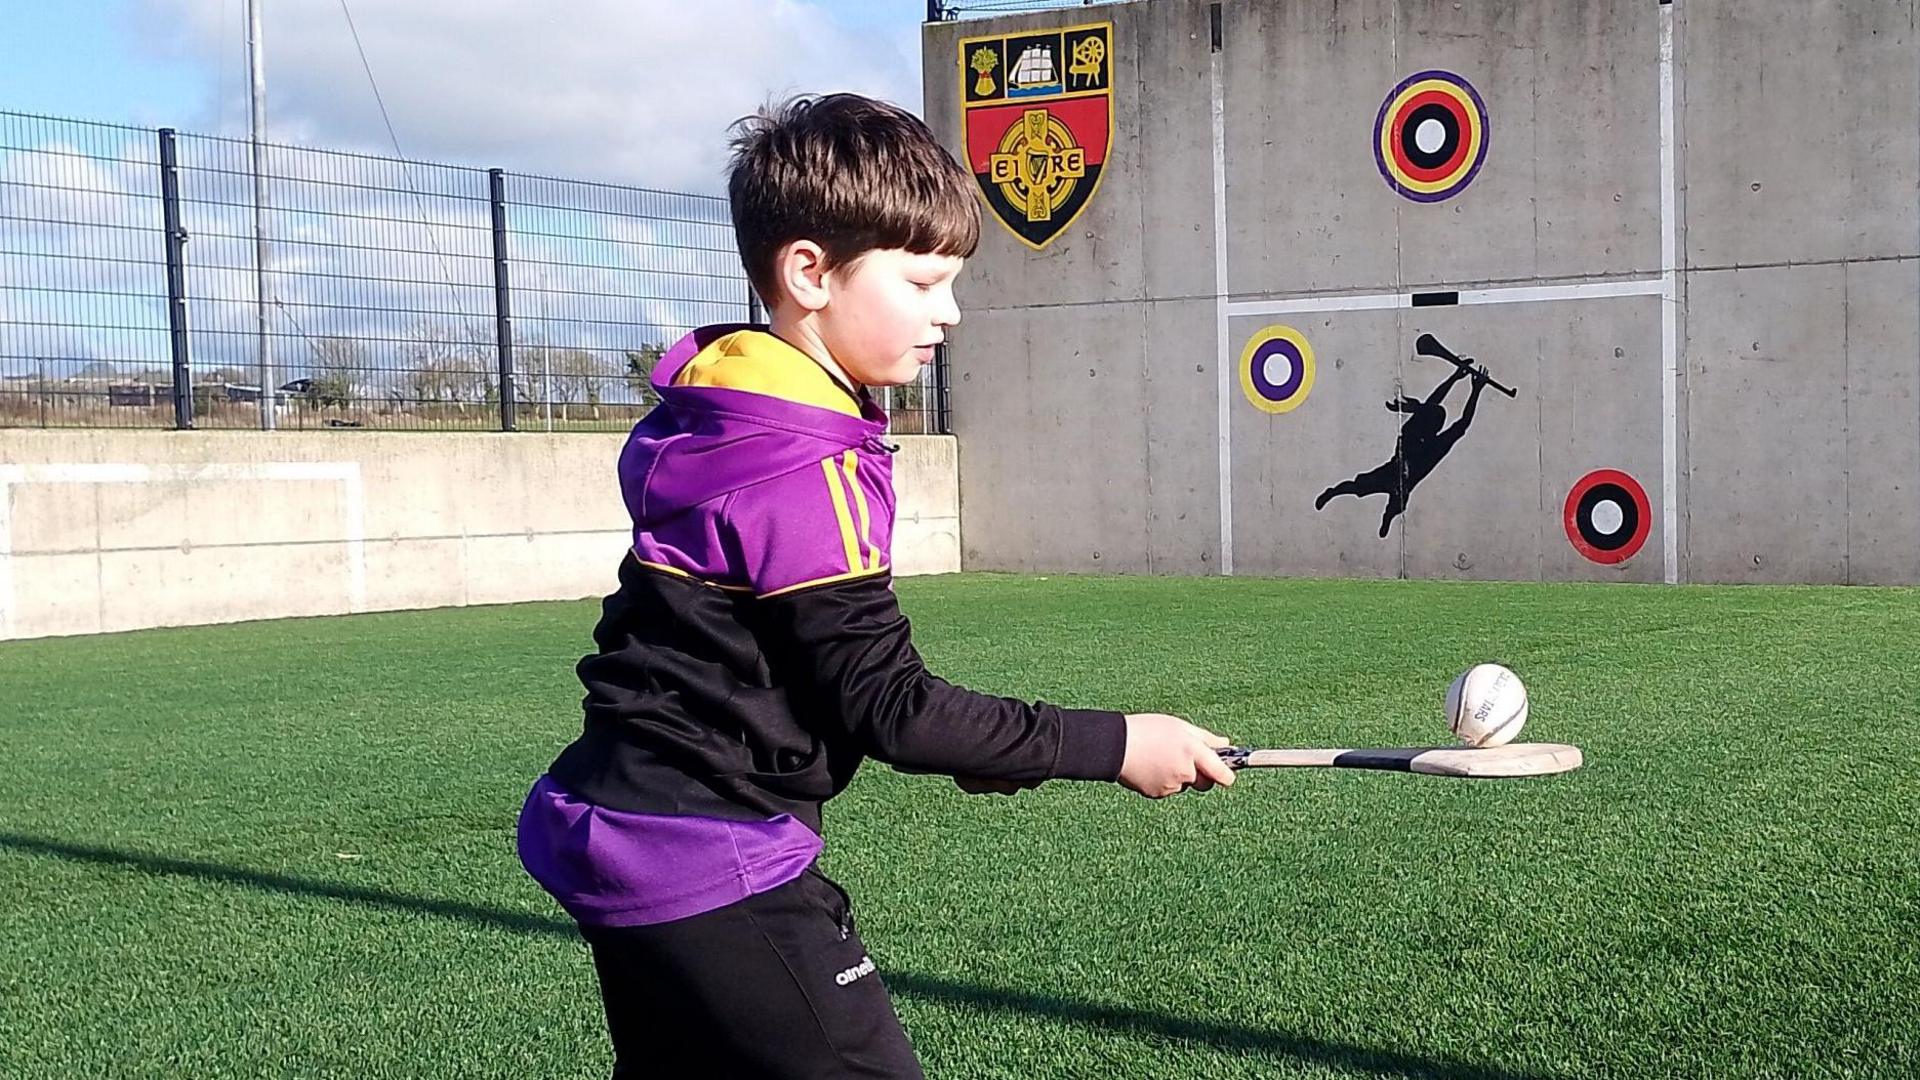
x=853, y=175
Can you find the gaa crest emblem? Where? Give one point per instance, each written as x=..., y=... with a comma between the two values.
x=1038, y=124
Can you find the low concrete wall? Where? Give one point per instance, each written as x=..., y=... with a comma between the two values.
x=118, y=530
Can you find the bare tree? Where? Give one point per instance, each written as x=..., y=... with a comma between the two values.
x=578, y=377
x=339, y=366
x=444, y=366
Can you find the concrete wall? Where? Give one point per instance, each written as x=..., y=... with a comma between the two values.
x=1712, y=286
x=117, y=530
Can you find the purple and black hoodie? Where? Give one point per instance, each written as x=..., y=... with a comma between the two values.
x=754, y=652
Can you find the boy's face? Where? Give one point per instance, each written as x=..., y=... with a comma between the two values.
x=886, y=311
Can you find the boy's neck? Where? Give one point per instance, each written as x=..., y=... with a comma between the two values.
x=800, y=332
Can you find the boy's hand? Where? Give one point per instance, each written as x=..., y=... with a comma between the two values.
x=1167, y=755
x=974, y=785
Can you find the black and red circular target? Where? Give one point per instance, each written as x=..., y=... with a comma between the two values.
x=1607, y=516
x=1430, y=138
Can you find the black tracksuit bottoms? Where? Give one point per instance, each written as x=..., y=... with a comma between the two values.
x=776, y=986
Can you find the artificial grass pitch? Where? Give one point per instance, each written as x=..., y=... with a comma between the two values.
x=287, y=849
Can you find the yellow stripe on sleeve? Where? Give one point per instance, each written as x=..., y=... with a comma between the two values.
x=851, y=466
x=847, y=537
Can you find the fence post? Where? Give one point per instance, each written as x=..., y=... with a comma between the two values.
x=502, y=296
x=942, y=403
x=176, y=283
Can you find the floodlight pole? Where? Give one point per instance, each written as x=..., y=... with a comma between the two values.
x=264, y=349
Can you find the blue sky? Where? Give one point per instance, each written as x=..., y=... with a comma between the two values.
x=79, y=59
x=182, y=63
x=84, y=58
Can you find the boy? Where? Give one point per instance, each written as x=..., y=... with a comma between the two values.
x=754, y=652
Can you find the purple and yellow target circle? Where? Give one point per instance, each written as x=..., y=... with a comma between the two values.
x=1430, y=138
x=1276, y=369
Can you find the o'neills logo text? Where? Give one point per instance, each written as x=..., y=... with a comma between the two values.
x=855, y=973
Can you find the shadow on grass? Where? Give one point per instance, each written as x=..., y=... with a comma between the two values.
x=1114, y=1018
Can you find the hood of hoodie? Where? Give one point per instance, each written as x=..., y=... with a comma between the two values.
x=738, y=406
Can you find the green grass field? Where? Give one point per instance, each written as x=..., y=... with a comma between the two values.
x=286, y=849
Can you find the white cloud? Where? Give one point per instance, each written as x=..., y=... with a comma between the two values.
x=628, y=91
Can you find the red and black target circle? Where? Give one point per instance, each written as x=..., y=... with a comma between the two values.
x=1607, y=516
x=1430, y=137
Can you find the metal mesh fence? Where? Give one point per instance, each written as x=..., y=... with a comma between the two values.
x=379, y=287
x=83, y=290
x=398, y=294
x=605, y=278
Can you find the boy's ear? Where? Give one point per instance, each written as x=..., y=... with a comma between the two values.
x=801, y=268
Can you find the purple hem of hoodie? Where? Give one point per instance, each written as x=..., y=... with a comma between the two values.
x=612, y=868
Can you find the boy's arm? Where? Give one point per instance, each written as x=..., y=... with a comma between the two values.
x=835, y=637
x=846, y=652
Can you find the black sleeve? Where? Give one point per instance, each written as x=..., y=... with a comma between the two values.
x=845, y=652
